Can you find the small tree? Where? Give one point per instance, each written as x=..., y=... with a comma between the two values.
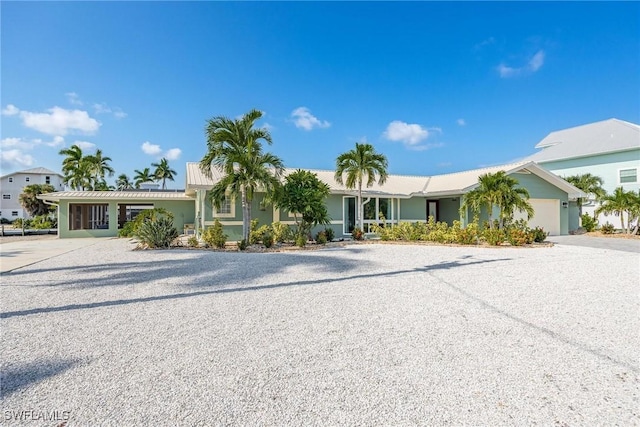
x=590, y=184
x=30, y=202
x=621, y=203
x=304, y=195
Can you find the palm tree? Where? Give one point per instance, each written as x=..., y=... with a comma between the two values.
x=590, y=184
x=498, y=189
x=123, y=182
x=359, y=164
x=163, y=172
x=99, y=166
x=75, y=169
x=29, y=201
x=234, y=147
x=142, y=176
x=619, y=203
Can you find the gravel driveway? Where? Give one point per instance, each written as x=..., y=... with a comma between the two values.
x=355, y=335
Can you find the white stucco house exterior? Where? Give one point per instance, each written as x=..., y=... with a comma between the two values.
x=609, y=149
x=11, y=186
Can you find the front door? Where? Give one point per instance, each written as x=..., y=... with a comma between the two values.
x=432, y=209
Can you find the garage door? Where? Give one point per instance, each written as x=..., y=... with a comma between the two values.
x=546, y=215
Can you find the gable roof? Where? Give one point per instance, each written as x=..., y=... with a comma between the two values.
x=405, y=186
x=34, y=171
x=607, y=136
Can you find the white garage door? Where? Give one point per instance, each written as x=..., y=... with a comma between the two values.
x=547, y=215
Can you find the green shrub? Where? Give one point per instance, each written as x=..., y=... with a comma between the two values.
x=357, y=234
x=130, y=228
x=257, y=233
x=267, y=239
x=329, y=233
x=538, y=234
x=242, y=245
x=321, y=238
x=301, y=241
x=281, y=232
x=5, y=221
x=589, y=223
x=214, y=236
x=157, y=233
x=20, y=223
x=493, y=236
x=517, y=237
x=127, y=229
x=468, y=235
x=608, y=228
x=192, y=242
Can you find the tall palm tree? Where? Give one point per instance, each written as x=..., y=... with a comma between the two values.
x=360, y=164
x=499, y=190
x=590, y=184
x=30, y=202
x=123, y=182
x=75, y=168
x=140, y=177
x=99, y=166
x=234, y=147
x=619, y=203
x=163, y=172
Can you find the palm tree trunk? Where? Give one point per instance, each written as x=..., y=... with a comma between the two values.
x=360, y=207
x=245, y=216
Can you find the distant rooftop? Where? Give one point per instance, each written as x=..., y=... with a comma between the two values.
x=34, y=171
x=607, y=136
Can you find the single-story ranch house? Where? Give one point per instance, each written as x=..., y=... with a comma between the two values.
x=400, y=199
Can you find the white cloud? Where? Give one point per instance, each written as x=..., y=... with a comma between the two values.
x=30, y=144
x=485, y=42
x=59, y=121
x=73, y=98
x=533, y=64
x=156, y=151
x=151, y=149
x=85, y=145
x=409, y=134
x=303, y=119
x=536, y=61
x=10, y=110
x=461, y=122
x=103, y=108
x=173, y=154
x=15, y=158
x=444, y=164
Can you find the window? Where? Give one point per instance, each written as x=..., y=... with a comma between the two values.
x=14, y=213
x=227, y=209
x=6, y=197
x=47, y=180
x=27, y=179
x=11, y=179
x=628, y=175
x=88, y=216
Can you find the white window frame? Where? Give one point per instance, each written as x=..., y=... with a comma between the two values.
x=47, y=180
x=627, y=169
x=6, y=197
x=10, y=179
x=14, y=213
x=232, y=214
x=27, y=179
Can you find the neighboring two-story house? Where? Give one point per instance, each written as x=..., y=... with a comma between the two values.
x=11, y=186
x=609, y=149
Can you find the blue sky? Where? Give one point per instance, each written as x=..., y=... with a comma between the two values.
x=436, y=87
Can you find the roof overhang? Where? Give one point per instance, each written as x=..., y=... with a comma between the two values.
x=107, y=196
x=532, y=167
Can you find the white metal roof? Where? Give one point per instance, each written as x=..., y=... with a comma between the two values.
x=114, y=195
x=607, y=136
x=35, y=171
x=404, y=185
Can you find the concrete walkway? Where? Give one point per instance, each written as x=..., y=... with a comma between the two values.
x=14, y=255
x=612, y=243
